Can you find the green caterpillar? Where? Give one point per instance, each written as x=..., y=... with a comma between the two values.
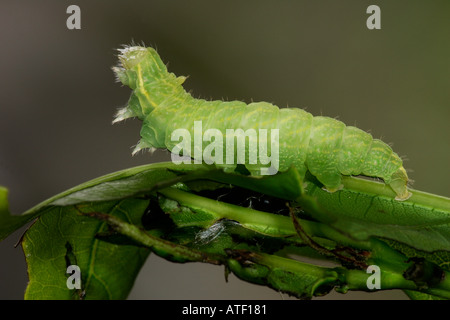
x=325, y=147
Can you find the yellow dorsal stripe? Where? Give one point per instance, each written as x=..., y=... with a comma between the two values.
x=141, y=86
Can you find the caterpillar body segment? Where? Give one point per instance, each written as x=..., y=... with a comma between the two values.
x=325, y=147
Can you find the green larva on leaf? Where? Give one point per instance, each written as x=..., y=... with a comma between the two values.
x=325, y=147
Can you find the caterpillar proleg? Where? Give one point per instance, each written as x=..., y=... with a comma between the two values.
x=325, y=147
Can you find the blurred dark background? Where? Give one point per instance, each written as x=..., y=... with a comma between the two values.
x=58, y=96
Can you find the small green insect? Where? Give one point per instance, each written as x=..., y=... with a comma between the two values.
x=325, y=147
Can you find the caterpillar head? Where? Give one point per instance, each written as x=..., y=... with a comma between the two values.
x=137, y=66
x=129, y=57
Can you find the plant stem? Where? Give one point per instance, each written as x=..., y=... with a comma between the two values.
x=259, y=221
x=343, y=279
x=163, y=248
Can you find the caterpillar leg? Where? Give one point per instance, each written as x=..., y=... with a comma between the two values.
x=331, y=189
x=398, y=183
x=331, y=181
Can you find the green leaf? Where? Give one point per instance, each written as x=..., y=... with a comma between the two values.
x=63, y=237
x=440, y=258
x=126, y=183
x=8, y=222
x=60, y=227
x=142, y=180
x=118, y=185
x=365, y=209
